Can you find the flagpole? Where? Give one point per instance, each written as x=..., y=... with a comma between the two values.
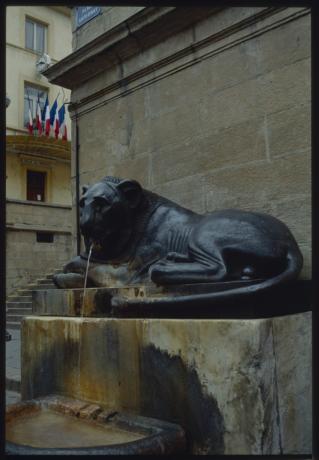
x=46, y=116
x=39, y=117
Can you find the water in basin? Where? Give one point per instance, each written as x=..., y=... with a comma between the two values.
x=46, y=428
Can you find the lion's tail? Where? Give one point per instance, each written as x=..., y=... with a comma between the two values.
x=294, y=265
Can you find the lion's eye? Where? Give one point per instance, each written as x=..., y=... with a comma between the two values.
x=100, y=202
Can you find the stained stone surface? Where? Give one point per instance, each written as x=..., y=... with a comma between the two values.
x=236, y=386
x=294, y=375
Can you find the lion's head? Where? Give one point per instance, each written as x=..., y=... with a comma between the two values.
x=107, y=210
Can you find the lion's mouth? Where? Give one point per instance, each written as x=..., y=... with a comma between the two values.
x=96, y=245
x=98, y=241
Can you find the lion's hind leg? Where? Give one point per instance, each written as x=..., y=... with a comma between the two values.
x=195, y=268
x=184, y=273
x=177, y=257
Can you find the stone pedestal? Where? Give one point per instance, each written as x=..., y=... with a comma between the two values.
x=236, y=386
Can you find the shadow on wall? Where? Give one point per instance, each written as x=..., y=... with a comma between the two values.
x=171, y=391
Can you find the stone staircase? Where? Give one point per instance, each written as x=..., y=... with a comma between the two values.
x=19, y=304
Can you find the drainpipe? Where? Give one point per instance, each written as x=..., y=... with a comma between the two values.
x=8, y=335
x=77, y=187
x=77, y=179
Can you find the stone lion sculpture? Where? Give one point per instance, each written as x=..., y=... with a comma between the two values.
x=138, y=237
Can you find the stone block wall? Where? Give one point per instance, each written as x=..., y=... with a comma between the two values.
x=214, y=116
x=27, y=259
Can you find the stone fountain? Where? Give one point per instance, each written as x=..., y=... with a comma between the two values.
x=176, y=327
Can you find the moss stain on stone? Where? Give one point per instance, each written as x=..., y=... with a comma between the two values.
x=172, y=391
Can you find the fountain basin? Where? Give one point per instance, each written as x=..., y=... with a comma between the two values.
x=58, y=425
x=98, y=302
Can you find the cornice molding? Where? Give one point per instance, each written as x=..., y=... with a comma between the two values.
x=39, y=146
x=264, y=21
x=141, y=31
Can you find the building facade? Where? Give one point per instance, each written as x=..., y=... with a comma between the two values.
x=38, y=195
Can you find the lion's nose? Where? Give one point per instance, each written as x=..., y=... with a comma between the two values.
x=85, y=225
x=89, y=229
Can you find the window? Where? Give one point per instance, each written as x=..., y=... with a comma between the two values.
x=45, y=237
x=31, y=94
x=35, y=36
x=36, y=185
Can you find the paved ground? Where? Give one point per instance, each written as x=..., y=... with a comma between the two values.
x=13, y=362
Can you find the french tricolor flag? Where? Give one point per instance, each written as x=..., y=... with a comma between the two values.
x=46, y=117
x=62, y=123
x=54, y=117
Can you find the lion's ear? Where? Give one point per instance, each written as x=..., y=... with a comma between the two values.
x=84, y=189
x=132, y=191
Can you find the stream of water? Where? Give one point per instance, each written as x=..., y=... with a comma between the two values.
x=86, y=278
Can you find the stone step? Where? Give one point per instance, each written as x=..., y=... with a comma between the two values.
x=32, y=286
x=19, y=304
x=13, y=381
x=19, y=298
x=10, y=305
x=12, y=397
x=44, y=281
x=13, y=384
x=15, y=318
x=38, y=287
x=24, y=291
x=19, y=311
x=45, y=286
x=13, y=325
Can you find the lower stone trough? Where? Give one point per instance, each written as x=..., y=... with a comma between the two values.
x=63, y=426
x=227, y=385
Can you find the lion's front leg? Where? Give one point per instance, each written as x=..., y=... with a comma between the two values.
x=73, y=274
x=68, y=280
